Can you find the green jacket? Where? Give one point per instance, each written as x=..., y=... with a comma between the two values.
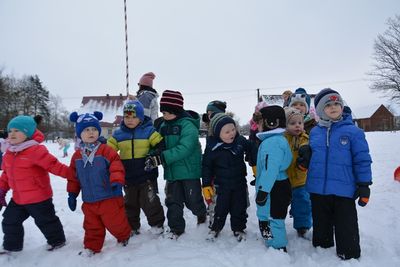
x=182, y=156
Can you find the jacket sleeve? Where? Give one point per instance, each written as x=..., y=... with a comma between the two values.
x=361, y=158
x=268, y=167
x=207, y=167
x=73, y=185
x=187, y=145
x=112, y=142
x=47, y=161
x=117, y=171
x=4, y=181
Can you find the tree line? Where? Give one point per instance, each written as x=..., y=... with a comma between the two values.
x=28, y=96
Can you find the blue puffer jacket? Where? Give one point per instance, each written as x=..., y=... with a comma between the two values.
x=340, y=159
x=273, y=158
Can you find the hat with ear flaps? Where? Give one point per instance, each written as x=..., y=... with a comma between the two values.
x=86, y=120
x=273, y=117
x=300, y=95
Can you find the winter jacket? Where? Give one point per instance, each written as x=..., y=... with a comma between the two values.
x=27, y=172
x=273, y=158
x=148, y=98
x=95, y=179
x=296, y=176
x=133, y=146
x=225, y=162
x=340, y=159
x=182, y=157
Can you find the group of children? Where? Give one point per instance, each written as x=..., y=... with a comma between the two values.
x=319, y=173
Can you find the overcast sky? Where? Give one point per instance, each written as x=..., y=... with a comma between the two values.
x=208, y=49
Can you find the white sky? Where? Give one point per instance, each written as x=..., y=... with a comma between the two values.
x=206, y=49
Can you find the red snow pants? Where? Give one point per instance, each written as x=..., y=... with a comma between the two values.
x=106, y=214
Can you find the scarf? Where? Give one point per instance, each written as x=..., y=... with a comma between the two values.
x=88, y=151
x=19, y=147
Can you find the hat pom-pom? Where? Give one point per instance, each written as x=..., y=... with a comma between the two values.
x=98, y=115
x=73, y=116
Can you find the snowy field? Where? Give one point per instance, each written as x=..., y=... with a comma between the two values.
x=379, y=225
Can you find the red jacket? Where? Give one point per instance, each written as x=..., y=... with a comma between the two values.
x=27, y=172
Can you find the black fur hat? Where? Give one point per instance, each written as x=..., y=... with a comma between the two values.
x=273, y=117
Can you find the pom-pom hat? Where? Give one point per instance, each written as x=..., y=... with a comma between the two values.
x=86, y=120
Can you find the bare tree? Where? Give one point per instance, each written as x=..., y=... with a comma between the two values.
x=386, y=72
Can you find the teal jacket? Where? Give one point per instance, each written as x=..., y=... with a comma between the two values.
x=182, y=155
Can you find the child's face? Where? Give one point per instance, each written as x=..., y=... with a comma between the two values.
x=131, y=122
x=300, y=106
x=90, y=135
x=168, y=116
x=295, y=126
x=333, y=110
x=228, y=133
x=16, y=137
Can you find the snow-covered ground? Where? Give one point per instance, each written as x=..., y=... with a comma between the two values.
x=379, y=225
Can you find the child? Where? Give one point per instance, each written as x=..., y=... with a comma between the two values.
x=301, y=100
x=64, y=145
x=223, y=162
x=339, y=172
x=26, y=166
x=135, y=138
x=181, y=161
x=286, y=97
x=148, y=96
x=273, y=192
x=298, y=140
x=99, y=174
x=213, y=107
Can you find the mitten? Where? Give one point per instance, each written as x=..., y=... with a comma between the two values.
x=303, y=160
x=116, y=189
x=152, y=162
x=362, y=193
x=2, y=198
x=208, y=193
x=261, y=198
x=72, y=201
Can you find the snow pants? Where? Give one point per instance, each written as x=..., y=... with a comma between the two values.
x=301, y=208
x=45, y=219
x=105, y=214
x=233, y=201
x=334, y=215
x=274, y=213
x=182, y=192
x=143, y=196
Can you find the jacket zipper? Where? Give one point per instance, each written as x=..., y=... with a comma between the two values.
x=326, y=157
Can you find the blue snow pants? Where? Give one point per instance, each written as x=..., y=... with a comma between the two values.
x=301, y=208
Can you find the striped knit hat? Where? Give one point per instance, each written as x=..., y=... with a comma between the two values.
x=172, y=102
x=218, y=121
x=323, y=98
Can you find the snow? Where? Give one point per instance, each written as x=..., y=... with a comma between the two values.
x=378, y=222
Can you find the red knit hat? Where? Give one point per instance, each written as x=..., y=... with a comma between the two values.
x=147, y=79
x=171, y=101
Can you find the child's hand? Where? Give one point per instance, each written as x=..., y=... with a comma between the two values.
x=208, y=193
x=303, y=160
x=261, y=198
x=72, y=201
x=362, y=193
x=2, y=198
x=152, y=162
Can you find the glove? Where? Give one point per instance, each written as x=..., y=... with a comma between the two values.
x=116, y=189
x=152, y=162
x=72, y=201
x=208, y=193
x=261, y=198
x=303, y=160
x=205, y=118
x=2, y=198
x=362, y=193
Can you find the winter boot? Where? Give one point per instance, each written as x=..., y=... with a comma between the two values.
x=301, y=232
x=51, y=247
x=87, y=253
x=201, y=219
x=240, y=235
x=157, y=230
x=212, y=235
x=265, y=230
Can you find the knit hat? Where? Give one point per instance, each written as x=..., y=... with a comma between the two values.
x=216, y=106
x=323, y=98
x=147, y=79
x=86, y=120
x=273, y=117
x=218, y=121
x=260, y=105
x=134, y=108
x=300, y=95
x=292, y=112
x=171, y=101
x=25, y=124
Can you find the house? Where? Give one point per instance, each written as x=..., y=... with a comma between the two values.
x=110, y=106
x=374, y=118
